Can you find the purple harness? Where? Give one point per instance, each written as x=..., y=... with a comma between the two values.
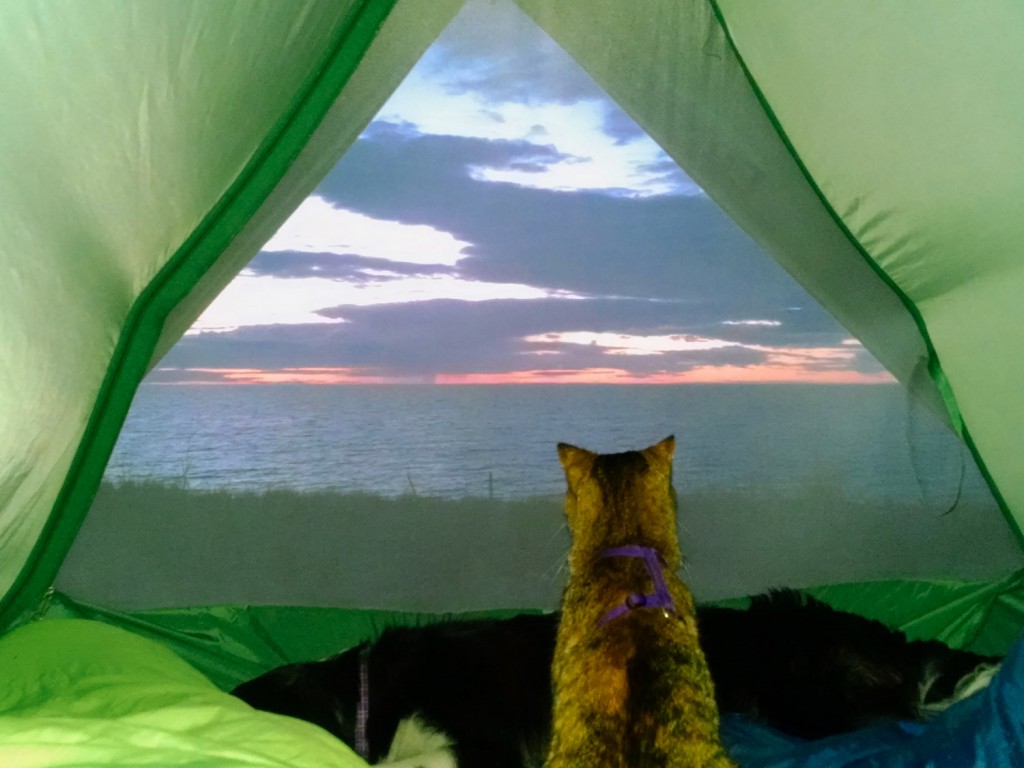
x=660, y=598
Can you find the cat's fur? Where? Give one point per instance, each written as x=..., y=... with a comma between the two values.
x=633, y=691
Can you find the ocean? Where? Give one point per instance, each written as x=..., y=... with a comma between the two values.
x=867, y=443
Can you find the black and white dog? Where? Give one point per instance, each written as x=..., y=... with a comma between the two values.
x=481, y=690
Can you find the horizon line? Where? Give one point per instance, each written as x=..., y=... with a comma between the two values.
x=361, y=377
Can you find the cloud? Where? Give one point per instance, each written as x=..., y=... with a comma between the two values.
x=494, y=74
x=467, y=157
x=708, y=374
x=261, y=300
x=662, y=173
x=569, y=152
x=348, y=267
x=331, y=376
x=633, y=344
x=754, y=323
x=680, y=248
x=316, y=226
x=621, y=127
x=537, y=233
x=421, y=340
x=497, y=53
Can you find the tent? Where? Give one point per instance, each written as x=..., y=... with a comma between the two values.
x=148, y=150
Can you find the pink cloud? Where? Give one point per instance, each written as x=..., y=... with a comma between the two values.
x=706, y=374
x=775, y=371
x=312, y=375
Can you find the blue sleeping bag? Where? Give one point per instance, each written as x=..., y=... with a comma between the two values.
x=985, y=730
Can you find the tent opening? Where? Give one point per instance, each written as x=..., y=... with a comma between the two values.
x=504, y=260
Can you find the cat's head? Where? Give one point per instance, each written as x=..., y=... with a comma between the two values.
x=618, y=499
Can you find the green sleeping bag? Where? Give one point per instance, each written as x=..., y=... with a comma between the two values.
x=82, y=693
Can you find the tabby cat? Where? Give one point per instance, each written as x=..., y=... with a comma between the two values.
x=631, y=685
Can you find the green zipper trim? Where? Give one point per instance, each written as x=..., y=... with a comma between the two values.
x=934, y=366
x=144, y=322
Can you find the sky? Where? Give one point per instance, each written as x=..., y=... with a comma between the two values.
x=500, y=221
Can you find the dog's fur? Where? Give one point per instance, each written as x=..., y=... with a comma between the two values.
x=789, y=661
x=481, y=690
x=631, y=687
x=485, y=684
x=799, y=665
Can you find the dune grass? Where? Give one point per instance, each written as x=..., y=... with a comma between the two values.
x=152, y=544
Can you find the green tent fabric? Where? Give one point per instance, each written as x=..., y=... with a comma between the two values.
x=232, y=644
x=147, y=150
x=928, y=188
x=872, y=152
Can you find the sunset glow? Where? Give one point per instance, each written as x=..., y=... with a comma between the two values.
x=248, y=376
x=707, y=374
x=502, y=220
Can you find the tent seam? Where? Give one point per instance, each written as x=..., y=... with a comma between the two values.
x=935, y=370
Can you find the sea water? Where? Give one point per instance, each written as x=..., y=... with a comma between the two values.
x=867, y=442
x=792, y=485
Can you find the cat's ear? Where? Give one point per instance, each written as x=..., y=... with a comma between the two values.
x=576, y=462
x=661, y=453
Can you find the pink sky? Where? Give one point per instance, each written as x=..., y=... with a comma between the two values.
x=708, y=374
x=367, y=255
